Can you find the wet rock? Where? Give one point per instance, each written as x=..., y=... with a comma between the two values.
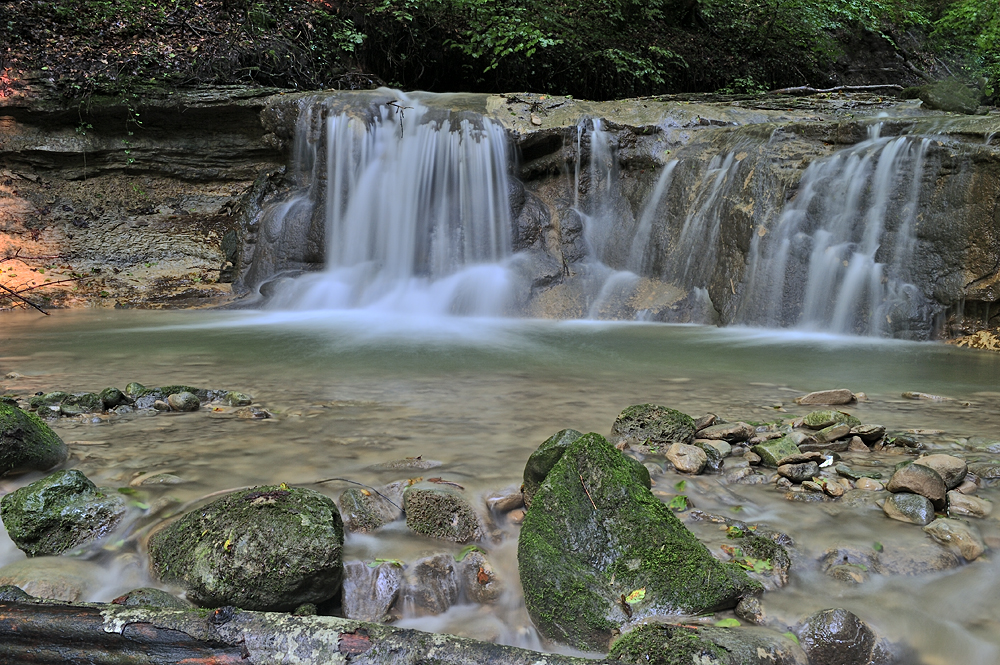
x=750, y=610
x=722, y=446
x=903, y=440
x=821, y=419
x=81, y=403
x=27, y=443
x=919, y=479
x=47, y=401
x=831, y=397
x=849, y=573
x=150, y=597
x=799, y=472
x=912, y=508
x=60, y=512
x=671, y=644
x=267, y=548
x=706, y=420
x=687, y=459
x=432, y=585
x=252, y=413
x=960, y=534
x=657, y=425
x=868, y=433
x=730, y=432
x=112, y=397
x=715, y=458
x=504, y=502
x=56, y=578
x=12, y=594
x=183, y=401
x=440, y=511
x=855, y=474
x=914, y=560
x=951, y=469
x=836, y=637
x=970, y=506
x=480, y=583
x=832, y=433
x=856, y=445
x=805, y=497
x=967, y=487
x=233, y=398
x=160, y=405
x=812, y=486
x=833, y=488
x=814, y=446
x=544, y=458
x=773, y=453
x=868, y=485
x=371, y=591
x=595, y=499
x=985, y=470
x=364, y=511
x=949, y=95
x=751, y=457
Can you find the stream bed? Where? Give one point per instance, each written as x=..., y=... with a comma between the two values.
x=354, y=390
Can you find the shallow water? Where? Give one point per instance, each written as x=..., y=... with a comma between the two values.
x=351, y=390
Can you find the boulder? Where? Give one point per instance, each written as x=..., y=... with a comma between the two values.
x=970, y=506
x=912, y=508
x=837, y=637
x=431, y=586
x=480, y=583
x=830, y=397
x=595, y=534
x=869, y=433
x=49, y=402
x=544, y=458
x=951, y=469
x=672, y=644
x=233, y=398
x=949, y=95
x=687, y=459
x=655, y=425
x=27, y=443
x=112, y=398
x=59, y=512
x=183, y=401
x=799, y=472
x=80, y=403
x=832, y=433
x=267, y=548
x=919, y=479
x=440, y=511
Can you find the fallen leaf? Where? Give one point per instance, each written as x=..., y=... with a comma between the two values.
x=636, y=596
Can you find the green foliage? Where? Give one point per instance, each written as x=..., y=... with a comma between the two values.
x=970, y=30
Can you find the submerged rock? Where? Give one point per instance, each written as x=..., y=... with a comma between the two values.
x=971, y=506
x=670, y=644
x=657, y=425
x=432, y=585
x=596, y=535
x=543, y=459
x=60, y=512
x=150, y=597
x=27, y=443
x=440, y=511
x=56, y=578
x=480, y=582
x=834, y=397
x=364, y=511
x=267, y=548
x=911, y=508
x=963, y=536
x=371, y=590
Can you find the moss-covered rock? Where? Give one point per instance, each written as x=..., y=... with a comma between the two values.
x=949, y=95
x=826, y=418
x=595, y=533
x=670, y=644
x=543, y=459
x=364, y=511
x=12, y=594
x=51, y=399
x=27, y=443
x=233, y=398
x=655, y=425
x=112, y=397
x=80, y=403
x=267, y=548
x=440, y=511
x=60, y=512
x=772, y=452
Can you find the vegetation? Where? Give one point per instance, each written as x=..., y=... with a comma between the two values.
x=591, y=48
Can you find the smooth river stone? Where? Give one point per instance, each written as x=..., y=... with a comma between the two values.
x=911, y=508
x=869, y=433
x=772, y=453
x=951, y=469
x=921, y=480
x=833, y=432
x=837, y=637
x=687, y=459
x=831, y=397
x=799, y=472
x=970, y=506
x=985, y=470
x=731, y=432
x=956, y=532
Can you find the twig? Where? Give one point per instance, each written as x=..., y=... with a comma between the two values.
x=23, y=299
x=806, y=90
x=354, y=482
x=58, y=281
x=587, y=491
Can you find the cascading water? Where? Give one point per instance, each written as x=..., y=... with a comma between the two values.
x=838, y=259
x=415, y=212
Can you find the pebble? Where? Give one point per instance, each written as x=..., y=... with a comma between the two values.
x=961, y=534
x=919, y=479
x=971, y=506
x=812, y=486
x=951, y=469
x=912, y=508
x=830, y=397
x=687, y=459
x=834, y=488
x=837, y=637
x=722, y=446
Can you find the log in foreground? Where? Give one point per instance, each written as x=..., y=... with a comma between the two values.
x=52, y=632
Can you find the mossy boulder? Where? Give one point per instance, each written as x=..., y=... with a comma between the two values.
x=27, y=443
x=773, y=452
x=670, y=644
x=52, y=399
x=59, y=512
x=828, y=417
x=654, y=425
x=543, y=459
x=440, y=511
x=950, y=95
x=267, y=548
x=595, y=533
x=112, y=397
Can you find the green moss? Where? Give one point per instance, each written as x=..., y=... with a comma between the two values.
x=26, y=442
x=773, y=451
x=544, y=458
x=657, y=425
x=825, y=418
x=594, y=533
x=440, y=512
x=665, y=644
x=48, y=399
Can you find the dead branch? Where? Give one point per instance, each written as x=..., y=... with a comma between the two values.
x=15, y=294
x=806, y=90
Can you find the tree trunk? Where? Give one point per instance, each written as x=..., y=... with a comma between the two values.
x=95, y=634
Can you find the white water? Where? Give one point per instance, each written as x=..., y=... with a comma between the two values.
x=415, y=211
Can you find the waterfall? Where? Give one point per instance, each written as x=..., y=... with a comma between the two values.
x=414, y=209
x=839, y=255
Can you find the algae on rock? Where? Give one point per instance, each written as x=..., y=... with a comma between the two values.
x=657, y=425
x=27, y=443
x=595, y=534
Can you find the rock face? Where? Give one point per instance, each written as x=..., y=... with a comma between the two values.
x=60, y=512
x=27, y=443
x=655, y=425
x=268, y=548
x=595, y=534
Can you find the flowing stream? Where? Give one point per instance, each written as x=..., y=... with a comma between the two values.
x=351, y=391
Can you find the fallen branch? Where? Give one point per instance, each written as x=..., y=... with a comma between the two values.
x=806, y=90
x=52, y=632
x=15, y=294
